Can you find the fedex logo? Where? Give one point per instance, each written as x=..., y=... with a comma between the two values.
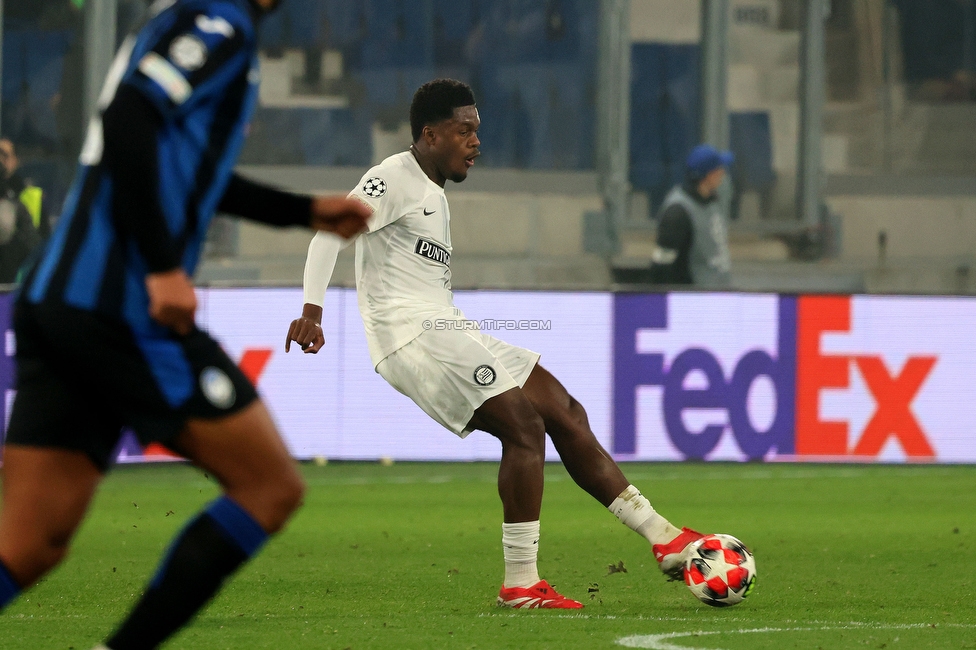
x=893, y=389
x=795, y=363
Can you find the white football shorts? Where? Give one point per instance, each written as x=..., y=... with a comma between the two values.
x=450, y=373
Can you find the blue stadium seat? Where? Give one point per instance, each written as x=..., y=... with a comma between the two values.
x=934, y=37
x=33, y=70
x=309, y=136
x=664, y=115
x=534, y=72
x=681, y=101
x=297, y=24
x=393, y=86
x=529, y=31
x=274, y=139
x=647, y=121
x=496, y=107
x=454, y=27
x=272, y=31
x=751, y=141
x=340, y=137
x=397, y=34
x=537, y=116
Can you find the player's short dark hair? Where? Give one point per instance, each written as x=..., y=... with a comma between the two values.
x=435, y=102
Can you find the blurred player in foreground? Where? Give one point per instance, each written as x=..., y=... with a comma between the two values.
x=463, y=379
x=105, y=319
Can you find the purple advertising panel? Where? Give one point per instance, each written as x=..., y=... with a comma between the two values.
x=810, y=378
x=334, y=405
x=662, y=376
x=703, y=376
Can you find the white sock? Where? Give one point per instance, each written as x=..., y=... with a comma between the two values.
x=520, y=543
x=635, y=511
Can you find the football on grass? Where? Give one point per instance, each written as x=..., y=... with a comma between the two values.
x=720, y=570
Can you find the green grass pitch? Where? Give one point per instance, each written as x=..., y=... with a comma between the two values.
x=409, y=556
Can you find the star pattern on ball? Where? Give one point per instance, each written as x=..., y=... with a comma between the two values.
x=374, y=187
x=720, y=571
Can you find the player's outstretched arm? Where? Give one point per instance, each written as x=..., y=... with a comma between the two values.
x=274, y=207
x=320, y=263
x=343, y=216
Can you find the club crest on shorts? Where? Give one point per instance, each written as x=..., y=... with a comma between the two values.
x=217, y=387
x=374, y=187
x=484, y=375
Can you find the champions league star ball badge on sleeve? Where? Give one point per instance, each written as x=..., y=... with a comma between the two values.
x=374, y=187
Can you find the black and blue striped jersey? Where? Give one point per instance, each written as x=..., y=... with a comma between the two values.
x=157, y=159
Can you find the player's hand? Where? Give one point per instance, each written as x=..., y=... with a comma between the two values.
x=306, y=330
x=339, y=215
x=172, y=300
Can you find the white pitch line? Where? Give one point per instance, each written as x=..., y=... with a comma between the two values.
x=659, y=641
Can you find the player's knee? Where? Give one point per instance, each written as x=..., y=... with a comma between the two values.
x=54, y=555
x=288, y=496
x=39, y=557
x=569, y=421
x=577, y=414
x=576, y=409
x=530, y=432
x=272, y=502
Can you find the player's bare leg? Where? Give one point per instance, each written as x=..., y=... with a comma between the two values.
x=596, y=472
x=511, y=418
x=247, y=456
x=46, y=493
x=569, y=428
x=262, y=488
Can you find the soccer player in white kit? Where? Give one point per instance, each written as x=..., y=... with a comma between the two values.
x=462, y=378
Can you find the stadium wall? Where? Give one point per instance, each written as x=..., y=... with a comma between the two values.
x=676, y=376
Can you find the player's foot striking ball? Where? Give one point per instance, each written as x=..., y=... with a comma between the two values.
x=461, y=377
x=671, y=557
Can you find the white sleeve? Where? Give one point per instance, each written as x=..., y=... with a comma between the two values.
x=320, y=263
x=382, y=190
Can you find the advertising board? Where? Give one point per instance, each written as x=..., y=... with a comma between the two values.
x=675, y=376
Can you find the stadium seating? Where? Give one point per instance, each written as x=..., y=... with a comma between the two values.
x=307, y=136
x=396, y=34
x=933, y=37
x=33, y=61
x=664, y=115
x=298, y=24
x=751, y=141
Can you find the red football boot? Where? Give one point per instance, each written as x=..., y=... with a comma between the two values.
x=671, y=556
x=538, y=596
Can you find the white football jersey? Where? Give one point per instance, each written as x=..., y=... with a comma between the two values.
x=403, y=261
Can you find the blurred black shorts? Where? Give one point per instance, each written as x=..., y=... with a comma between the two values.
x=82, y=377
